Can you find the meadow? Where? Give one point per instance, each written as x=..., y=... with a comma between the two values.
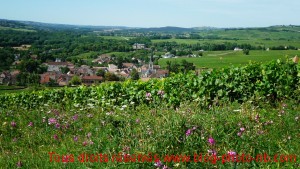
x=163, y=123
x=221, y=59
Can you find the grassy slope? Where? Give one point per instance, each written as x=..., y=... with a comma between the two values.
x=144, y=130
x=218, y=59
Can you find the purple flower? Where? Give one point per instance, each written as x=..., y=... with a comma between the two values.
x=51, y=121
x=212, y=152
x=188, y=132
x=211, y=141
x=19, y=164
x=161, y=92
x=257, y=118
x=148, y=96
x=13, y=124
x=55, y=137
x=242, y=129
x=158, y=164
x=75, y=138
x=30, y=124
x=165, y=167
x=75, y=117
x=239, y=134
x=57, y=125
x=84, y=143
x=231, y=153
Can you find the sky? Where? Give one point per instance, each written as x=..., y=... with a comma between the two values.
x=155, y=13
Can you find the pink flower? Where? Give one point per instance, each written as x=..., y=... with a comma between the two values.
x=161, y=92
x=211, y=141
x=194, y=128
x=212, y=152
x=242, y=129
x=188, y=132
x=239, y=134
x=231, y=153
x=158, y=164
x=51, y=121
x=75, y=138
x=55, y=137
x=30, y=124
x=148, y=96
x=57, y=125
x=19, y=164
x=137, y=121
x=84, y=143
x=75, y=117
x=89, y=135
x=13, y=124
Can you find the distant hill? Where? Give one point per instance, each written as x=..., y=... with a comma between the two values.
x=49, y=26
x=34, y=26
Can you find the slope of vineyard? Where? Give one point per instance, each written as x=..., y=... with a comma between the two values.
x=251, y=110
x=273, y=81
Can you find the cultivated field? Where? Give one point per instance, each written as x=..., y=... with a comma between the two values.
x=220, y=59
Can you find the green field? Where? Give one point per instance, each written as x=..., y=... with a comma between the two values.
x=16, y=29
x=219, y=59
x=115, y=37
x=265, y=43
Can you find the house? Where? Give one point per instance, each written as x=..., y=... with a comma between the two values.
x=56, y=66
x=113, y=68
x=14, y=75
x=168, y=55
x=138, y=46
x=89, y=80
x=129, y=66
x=47, y=76
x=84, y=70
x=63, y=79
x=102, y=59
x=5, y=77
x=237, y=49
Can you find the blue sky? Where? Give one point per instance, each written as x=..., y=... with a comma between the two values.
x=155, y=13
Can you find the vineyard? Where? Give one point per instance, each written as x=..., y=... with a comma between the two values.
x=270, y=82
x=252, y=109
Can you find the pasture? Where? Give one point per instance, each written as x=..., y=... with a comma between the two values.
x=220, y=59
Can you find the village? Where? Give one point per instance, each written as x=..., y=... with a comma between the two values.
x=61, y=72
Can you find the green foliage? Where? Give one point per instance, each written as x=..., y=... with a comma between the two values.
x=246, y=51
x=100, y=72
x=24, y=79
x=269, y=82
x=111, y=77
x=75, y=80
x=64, y=70
x=134, y=74
x=6, y=57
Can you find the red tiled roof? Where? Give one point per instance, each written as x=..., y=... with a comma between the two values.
x=92, y=78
